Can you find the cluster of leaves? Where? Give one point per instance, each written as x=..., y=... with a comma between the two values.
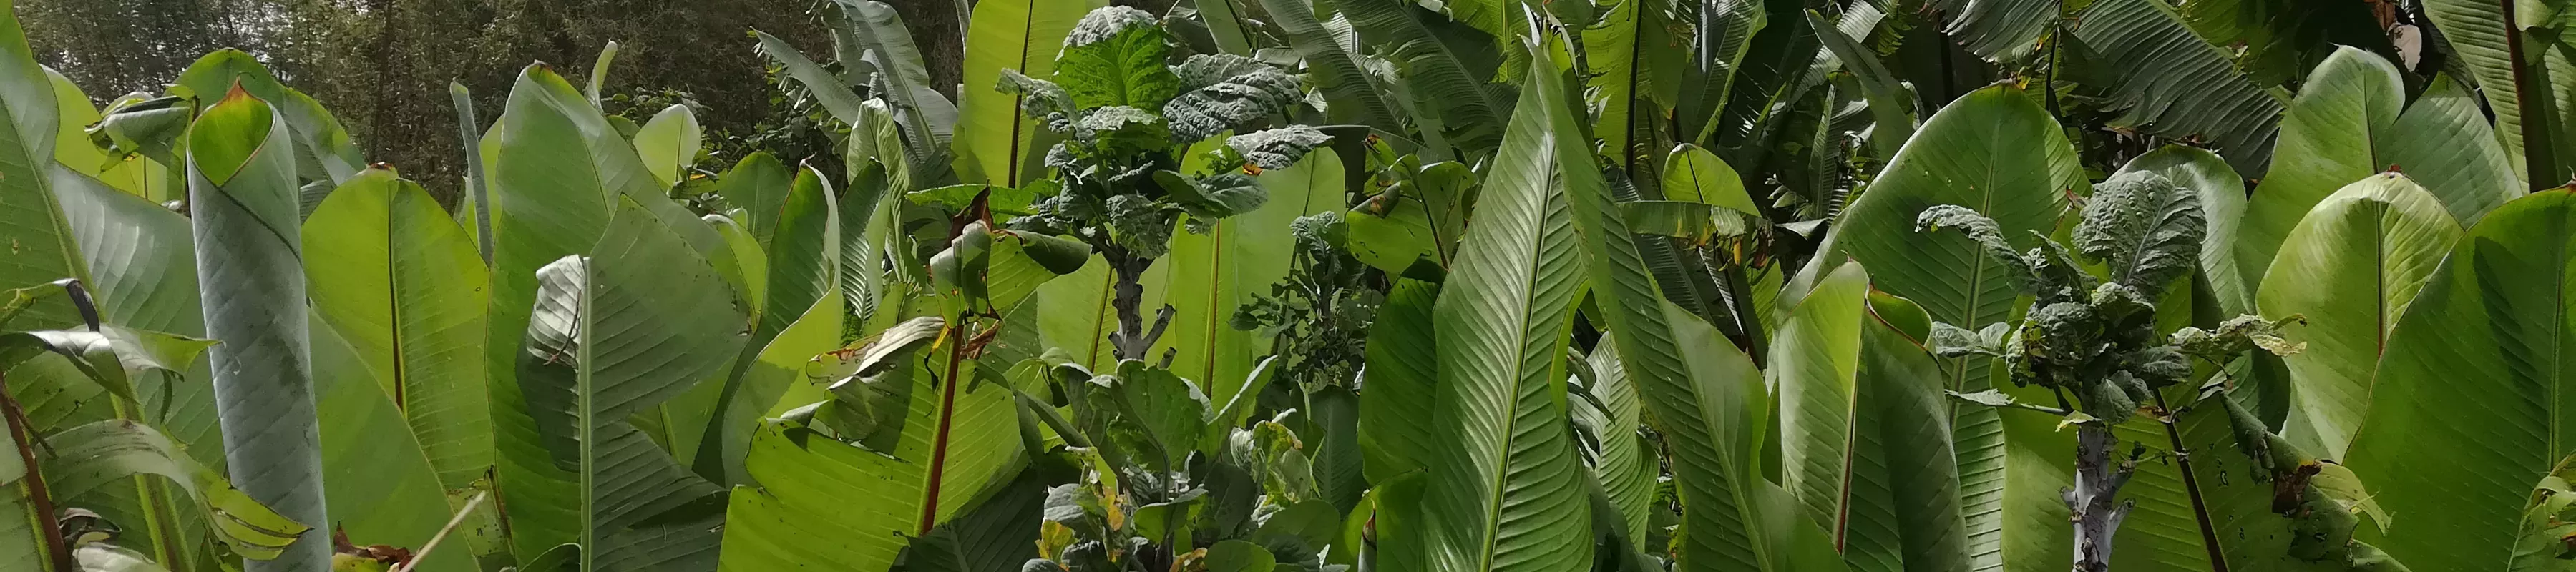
x=1318, y=316
x=1168, y=468
x=2088, y=336
x=1128, y=119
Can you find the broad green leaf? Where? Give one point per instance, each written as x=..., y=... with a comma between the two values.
x=1891, y=101
x=1864, y=429
x=995, y=536
x=72, y=147
x=2470, y=403
x=2534, y=119
x=1334, y=70
x=996, y=142
x=109, y=452
x=927, y=118
x=819, y=500
x=400, y=282
x=241, y=185
x=2346, y=125
x=1402, y=376
x=381, y=481
x=613, y=333
x=1505, y=492
x=1994, y=150
x=1206, y=277
x=1724, y=38
x=1998, y=30
x=669, y=143
x=801, y=278
x=1699, y=391
x=827, y=88
x=1627, y=467
x=1115, y=56
x=2169, y=83
x=1636, y=60
x=758, y=185
x=556, y=167
x=31, y=220
x=1692, y=174
x=1447, y=66
x=1419, y=219
x=2351, y=267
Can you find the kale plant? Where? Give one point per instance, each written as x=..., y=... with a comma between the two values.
x=2092, y=341
x=1318, y=316
x=1127, y=119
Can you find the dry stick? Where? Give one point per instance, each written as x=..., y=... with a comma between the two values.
x=37, y=496
x=442, y=532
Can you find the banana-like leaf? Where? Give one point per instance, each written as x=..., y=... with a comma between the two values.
x=996, y=142
x=1891, y=101
x=2169, y=83
x=1419, y=219
x=1864, y=429
x=2471, y=400
x=1636, y=61
x=611, y=334
x=1997, y=151
x=2346, y=125
x=1725, y=37
x=2534, y=104
x=758, y=185
x=1207, y=276
x=926, y=462
x=1998, y=30
x=34, y=222
x=711, y=424
x=1403, y=375
x=669, y=143
x=1626, y=466
x=2351, y=268
x=382, y=481
x=241, y=183
x=1505, y=491
x=928, y=118
x=397, y=279
x=1334, y=70
x=1447, y=66
x=106, y=453
x=995, y=536
x=1697, y=389
x=403, y=292
x=557, y=167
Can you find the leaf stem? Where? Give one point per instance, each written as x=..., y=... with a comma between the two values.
x=38, y=497
x=2191, y=486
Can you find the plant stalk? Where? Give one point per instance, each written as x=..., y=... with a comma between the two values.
x=38, y=497
x=2097, y=512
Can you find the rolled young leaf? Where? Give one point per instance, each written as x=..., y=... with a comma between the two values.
x=241, y=182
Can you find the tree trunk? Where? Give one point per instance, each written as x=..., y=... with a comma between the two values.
x=2097, y=513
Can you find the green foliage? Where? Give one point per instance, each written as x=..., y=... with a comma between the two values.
x=1619, y=285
